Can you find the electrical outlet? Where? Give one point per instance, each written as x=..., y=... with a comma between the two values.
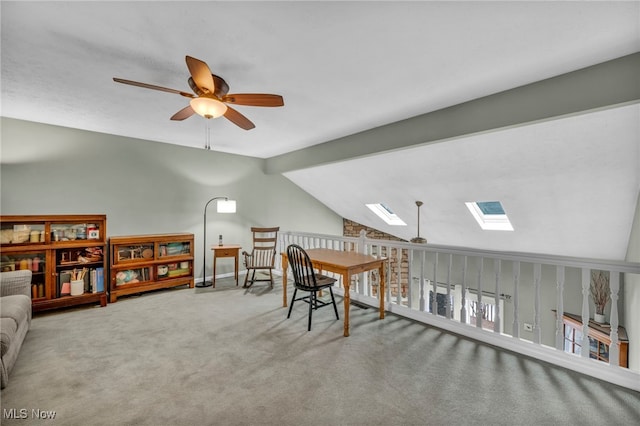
x=528, y=327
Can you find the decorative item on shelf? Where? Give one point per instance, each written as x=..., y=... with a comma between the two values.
x=600, y=293
x=419, y=239
x=127, y=277
x=6, y=235
x=21, y=234
x=163, y=271
x=225, y=205
x=93, y=233
x=77, y=287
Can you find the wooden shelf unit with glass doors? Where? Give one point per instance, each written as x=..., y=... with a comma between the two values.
x=599, y=339
x=57, y=248
x=140, y=263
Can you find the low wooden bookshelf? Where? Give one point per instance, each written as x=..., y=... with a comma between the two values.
x=57, y=248
x=140, y=263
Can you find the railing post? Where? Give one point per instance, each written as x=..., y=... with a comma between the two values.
x=463, y=302
x=480, y=314
x=537, y=276
x=614, y=351
x=434, y=286
x=497, y=269
x=586, y=274
x=559, y=307
x=423, y=306
x=448, y=302
x=516, y=307
x=410, y=278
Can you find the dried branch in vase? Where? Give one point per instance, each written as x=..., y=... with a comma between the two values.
x=600, y=290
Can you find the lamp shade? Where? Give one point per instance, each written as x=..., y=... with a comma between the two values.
x=208, y=107
x=226, y=206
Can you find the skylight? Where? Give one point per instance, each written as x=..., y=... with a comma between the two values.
x=386, y=214
x=490, y=215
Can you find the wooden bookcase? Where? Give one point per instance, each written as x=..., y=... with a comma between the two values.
x=54, y=247
x=140, y=263
x=599, y=340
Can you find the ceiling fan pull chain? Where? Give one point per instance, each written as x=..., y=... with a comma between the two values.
x=207, y=144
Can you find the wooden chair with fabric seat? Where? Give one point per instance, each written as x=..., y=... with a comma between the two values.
x=262, y=256
x=306, y=279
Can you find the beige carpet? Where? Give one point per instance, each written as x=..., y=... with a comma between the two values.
x=228, y=356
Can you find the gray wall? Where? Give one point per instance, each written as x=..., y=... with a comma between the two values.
x=149, y=187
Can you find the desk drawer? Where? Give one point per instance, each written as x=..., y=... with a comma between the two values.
x=227, y=253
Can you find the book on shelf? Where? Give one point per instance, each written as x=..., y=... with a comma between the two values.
x=99, y=280
x=64, y=277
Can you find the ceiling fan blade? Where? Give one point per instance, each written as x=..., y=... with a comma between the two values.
x=185, y=112
x=151, y=86
x=201, y=74
x=254, y=99
x=238, y=119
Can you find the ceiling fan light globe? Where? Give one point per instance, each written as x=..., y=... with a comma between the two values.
x=208, y=107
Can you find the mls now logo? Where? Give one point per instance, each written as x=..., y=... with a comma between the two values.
x=23, y=413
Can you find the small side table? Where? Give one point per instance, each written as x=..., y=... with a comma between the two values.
x=231, y=250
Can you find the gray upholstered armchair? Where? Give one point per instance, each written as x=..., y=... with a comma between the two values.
x=15, y=316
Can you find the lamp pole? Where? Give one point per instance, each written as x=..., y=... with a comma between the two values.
x=204, y=244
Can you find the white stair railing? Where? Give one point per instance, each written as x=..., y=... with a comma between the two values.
x=466, y=291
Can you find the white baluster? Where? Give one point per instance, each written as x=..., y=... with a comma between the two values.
x=537, y=274
x=497, y=268
x=559, y=307
x=516, y=285
x=410, y=254
x=586, y=274
x=434, y=285
x=399, y=276
x=463, y=302
x=423, y=304
x=614, y=350
x=387, y=295
x=480, y=308
x=448, y=302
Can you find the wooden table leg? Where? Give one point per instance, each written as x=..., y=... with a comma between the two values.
x=284, y=283
x=236, y=268
x=213, y=278
x=382, y=290
x=347, y=303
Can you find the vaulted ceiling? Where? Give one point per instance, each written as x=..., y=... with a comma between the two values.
x=354, y=72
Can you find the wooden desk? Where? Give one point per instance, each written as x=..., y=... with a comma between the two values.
x=345, y=263
x=230, y=250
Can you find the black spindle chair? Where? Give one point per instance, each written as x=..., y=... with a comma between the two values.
x=306, y=279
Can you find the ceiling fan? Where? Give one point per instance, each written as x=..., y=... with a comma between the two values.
x=211, y=97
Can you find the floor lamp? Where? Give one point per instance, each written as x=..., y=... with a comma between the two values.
x=225, y=205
